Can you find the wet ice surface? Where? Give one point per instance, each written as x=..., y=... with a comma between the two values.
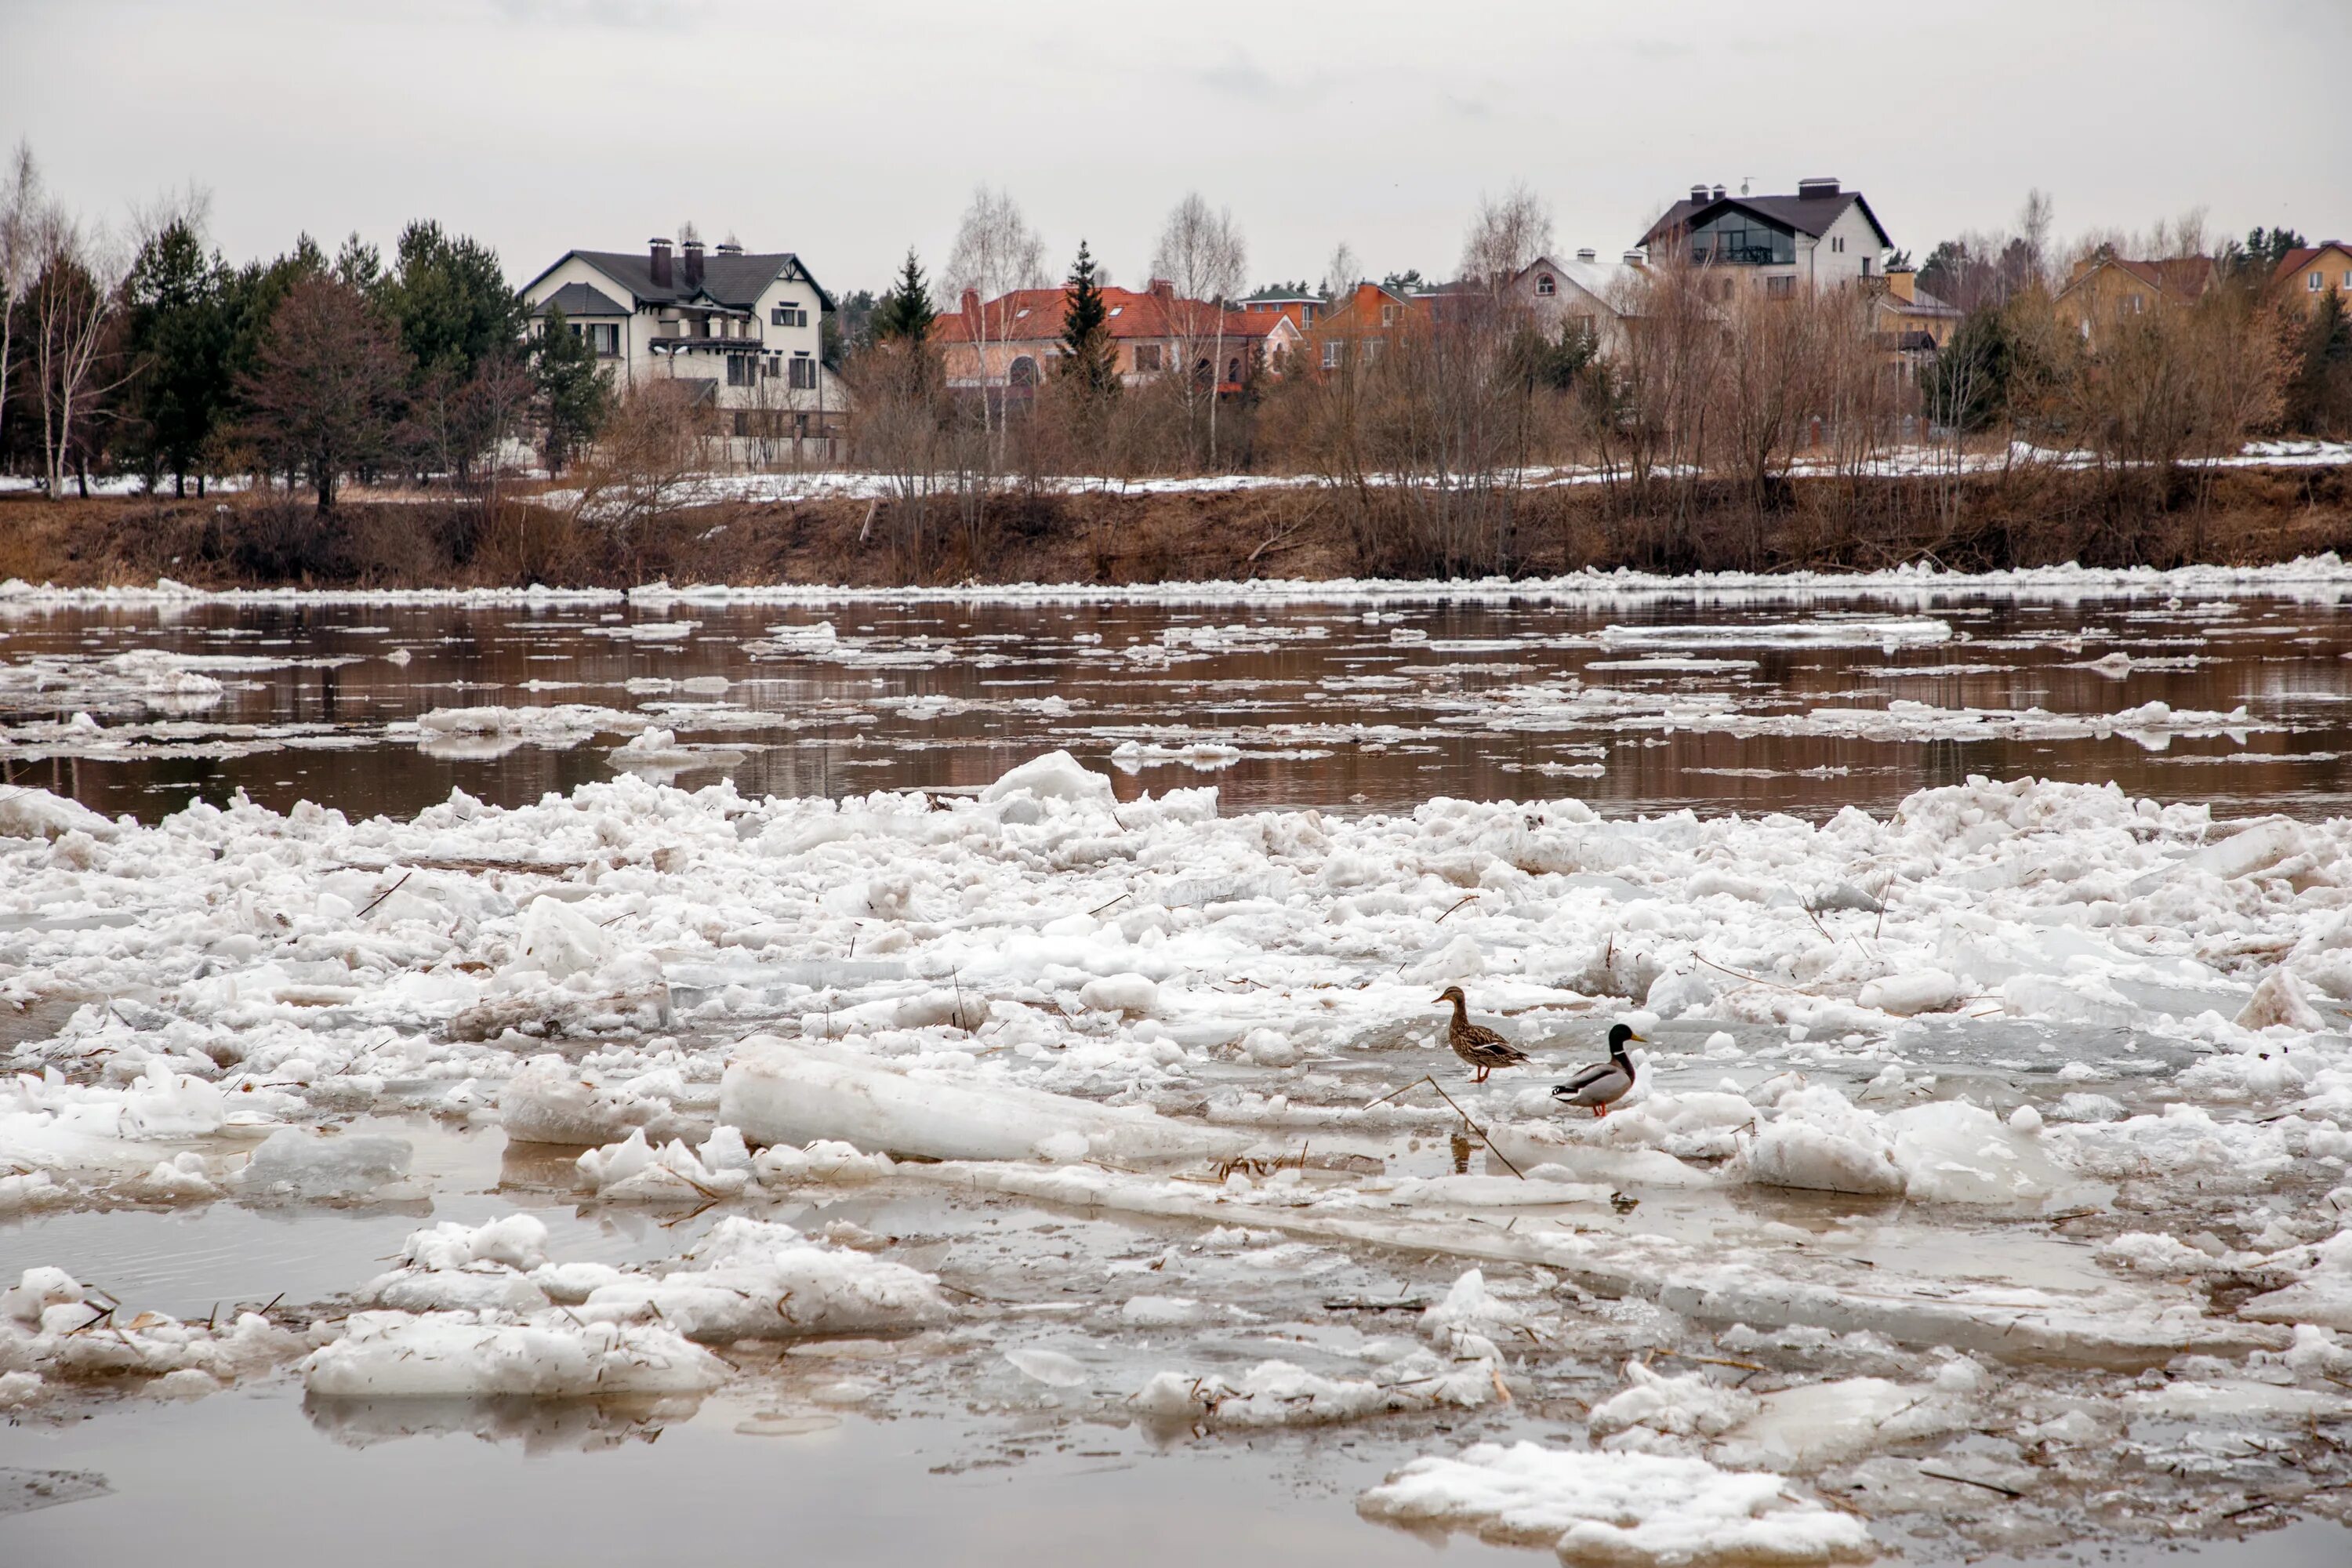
x=1049, y=1154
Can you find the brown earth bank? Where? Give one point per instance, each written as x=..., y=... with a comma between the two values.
x=2236, y=516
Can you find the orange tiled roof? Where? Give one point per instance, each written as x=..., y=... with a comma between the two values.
x=1035, y=315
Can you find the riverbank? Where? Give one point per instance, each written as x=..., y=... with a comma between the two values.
x=824, y=533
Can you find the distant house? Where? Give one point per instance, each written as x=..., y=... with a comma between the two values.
x=1822, y=236
x=742, y=330
x=2107, y=288
x=1911, y=325
x=1359, y=324
x=1301, y=308
x=1012, y=341
x=2305, y=276
x=1584, y=291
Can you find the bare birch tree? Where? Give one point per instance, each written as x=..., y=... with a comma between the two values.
x=1504, y=236
x=1201, y=253
x=74, y=297
x=995, y=252
x=1342, y=273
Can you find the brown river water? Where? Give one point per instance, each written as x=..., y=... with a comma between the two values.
x=1641, y=707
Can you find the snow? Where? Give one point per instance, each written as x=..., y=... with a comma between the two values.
x=47, y=1344
x=1617, y=1507
x=28, y=812
x=754, y=1280
x=1056, y=775
x=1283, y=1394
x=779, y=1092
x=466, y=1354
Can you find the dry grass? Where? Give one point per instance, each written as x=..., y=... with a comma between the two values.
x=2240, y=517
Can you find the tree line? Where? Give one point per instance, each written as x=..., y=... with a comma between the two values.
x=152, y=353
x=1706, y=391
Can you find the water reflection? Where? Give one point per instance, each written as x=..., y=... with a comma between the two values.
x=1320, y=705
x=538, y=1426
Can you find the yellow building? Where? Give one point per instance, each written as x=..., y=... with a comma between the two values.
x=2107, y=288
x=2307, y=276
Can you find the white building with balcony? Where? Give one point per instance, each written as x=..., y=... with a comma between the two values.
x=1822, y=238
x=742, y=329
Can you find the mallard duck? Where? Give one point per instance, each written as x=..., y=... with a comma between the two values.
x=1603, y=1084
x=1474, y=1043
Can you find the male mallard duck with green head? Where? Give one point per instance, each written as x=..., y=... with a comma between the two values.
x=1474, y=1043
x=1603, y=1084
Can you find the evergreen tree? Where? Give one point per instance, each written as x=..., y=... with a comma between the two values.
x=1969, y=384
x=2319, y=386
x=848, y=327
x=178, y=331
x=1088, y=360
x=904, y=314
x=449, y=298
x=574, y=397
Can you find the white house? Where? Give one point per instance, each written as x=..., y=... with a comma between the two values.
x=1820, y=237
x=743, y=328
x=1595, y=294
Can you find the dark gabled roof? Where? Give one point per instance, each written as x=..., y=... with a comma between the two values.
x=578, y=300
x=734, y=280
x=1806, y=215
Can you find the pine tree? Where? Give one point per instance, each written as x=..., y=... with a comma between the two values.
x=1088, y=360
x=574, y=397
x=178, y=331
x=905, y=313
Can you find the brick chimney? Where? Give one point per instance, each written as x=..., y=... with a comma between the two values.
x=970, y=304
x=1903, y=283
x=693, y=250
x=1163, y=290
x=657, y=250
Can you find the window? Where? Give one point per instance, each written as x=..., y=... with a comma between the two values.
x=743, y=369
x=743, y=422
x=788, y=316
x=1024, y=371
x=803, y=377
x=1388, y=315
x=604, y=337
x=1780, y=287
x=2347, y=279
x=1546, y=286
x=1233, y=372
x=1147, y=356
x=2313, y=281
x=1330, y=353
x=1372, y=347
x=1741, y=238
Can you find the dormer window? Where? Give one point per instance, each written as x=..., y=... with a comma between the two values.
x=1546, y=286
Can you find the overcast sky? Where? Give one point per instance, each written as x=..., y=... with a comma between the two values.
x=848, y=132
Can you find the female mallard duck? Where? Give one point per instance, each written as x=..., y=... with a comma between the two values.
x=1603, y=1084
x=1474, y=1043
